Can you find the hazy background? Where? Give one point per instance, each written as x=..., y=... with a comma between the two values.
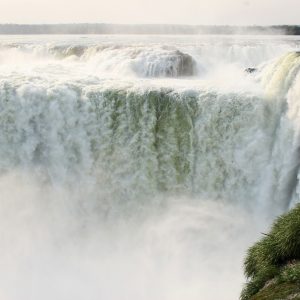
x=219, y=12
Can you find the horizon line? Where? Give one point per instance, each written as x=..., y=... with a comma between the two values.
x=149, y=24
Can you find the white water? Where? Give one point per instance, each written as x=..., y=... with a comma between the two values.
x=137, y=167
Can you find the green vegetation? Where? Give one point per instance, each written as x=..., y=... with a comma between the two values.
x=272, y=265
x=279, y=291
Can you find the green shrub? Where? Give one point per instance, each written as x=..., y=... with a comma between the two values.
x=258, y=282
x=258, y=257
x=268, y=257
x=281, y=245
x=286, y=233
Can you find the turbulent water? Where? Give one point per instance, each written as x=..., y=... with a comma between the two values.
x=142, y=167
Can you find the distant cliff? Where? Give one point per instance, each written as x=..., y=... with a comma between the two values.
x=144, y=29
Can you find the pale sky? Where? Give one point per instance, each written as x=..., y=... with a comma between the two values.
x=231, y=12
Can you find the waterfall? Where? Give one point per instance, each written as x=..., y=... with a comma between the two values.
x=141, y=171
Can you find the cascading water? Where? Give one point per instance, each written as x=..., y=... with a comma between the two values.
x=142, y=169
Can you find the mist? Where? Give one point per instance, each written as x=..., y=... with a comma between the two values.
x=55, y=247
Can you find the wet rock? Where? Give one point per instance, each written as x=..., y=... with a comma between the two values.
x=250, y=70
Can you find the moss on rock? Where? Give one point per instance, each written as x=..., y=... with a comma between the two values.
x=279, y=291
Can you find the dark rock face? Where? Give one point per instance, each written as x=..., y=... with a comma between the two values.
x=170, y=64
x=186, y=64
x=250, y=70
x=61, y=52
